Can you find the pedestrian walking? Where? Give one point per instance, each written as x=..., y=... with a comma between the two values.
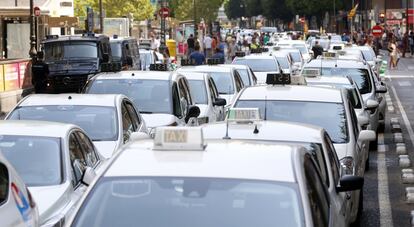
x=190, y=44
x=207, y=46
x=394, y=54
x=231, y=50
x=411, y=42
x=405, y=44
x=197, y=57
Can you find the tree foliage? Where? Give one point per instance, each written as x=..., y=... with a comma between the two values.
x=206, y=9
x=234, y=9
x=141, y=9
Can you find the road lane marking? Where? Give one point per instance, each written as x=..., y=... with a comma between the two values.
x=383, y=189
x=404, y=116
x=404, y=84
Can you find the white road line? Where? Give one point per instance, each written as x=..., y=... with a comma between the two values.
x=383, y=192
x=404, y=116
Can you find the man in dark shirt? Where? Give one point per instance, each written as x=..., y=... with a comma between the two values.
x=190, y=44
x=197, y=57
x=219, y=55
x=317, y=50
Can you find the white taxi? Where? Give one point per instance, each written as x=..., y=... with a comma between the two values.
x=163, y=97
x=325, y=107
x=179, y=179
x=17, y=207
x=108, y=120
x=246, y=74
x=227, y=79
x=261, y=65
x=245, y=124
x=206, y=97
x=55, y=161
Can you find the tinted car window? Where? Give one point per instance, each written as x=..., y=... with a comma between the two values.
x=189, y=202
x=330, y=116
x=36, y=159
x=4, y=183
x=284, y=63
x=65, y=50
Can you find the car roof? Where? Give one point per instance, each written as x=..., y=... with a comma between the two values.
x=235, y=66
x=205, y=68
x=271, y=162
x=70, y=99
x=256, y=56
x=292, y=93
x=35, y=128
x=333, y=63
x=136, y=74
x=267, y=130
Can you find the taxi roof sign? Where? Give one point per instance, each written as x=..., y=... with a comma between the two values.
x=179, y=138
x=329, y=55
x=277, y=79
x=240, y=54
x=311, y=72
x=214, y=61
x=243, y=114
x=158, y=67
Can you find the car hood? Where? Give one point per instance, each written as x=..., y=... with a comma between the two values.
x=106, y=148
x=157, y=120
x=51, y=199
x=261, y=76
x=341, y=150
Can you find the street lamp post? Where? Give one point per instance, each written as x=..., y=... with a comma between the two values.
x=33, y=51
x=101, y=17
x=195, y=20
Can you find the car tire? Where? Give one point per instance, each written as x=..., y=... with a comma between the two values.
x=367, y=164
x=373, y=145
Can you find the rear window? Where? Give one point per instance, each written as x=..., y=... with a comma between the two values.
x=360, y=76
x=4, y=183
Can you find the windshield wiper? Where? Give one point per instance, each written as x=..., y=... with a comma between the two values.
x=146, y=112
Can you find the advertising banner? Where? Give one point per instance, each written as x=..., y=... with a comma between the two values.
x=11, y=76
x=22, y=70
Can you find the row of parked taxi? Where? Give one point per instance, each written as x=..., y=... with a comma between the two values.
x=273, y=139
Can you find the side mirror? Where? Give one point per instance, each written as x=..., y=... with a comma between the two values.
x=371, y=104
x=363, y=121
x=88, y=176
x=367, y=135
x=381, y=89
x=350, y=183
x=193, y=111
x=129, y=60
x=220, y=102
x=105, y=57
x=135, y=136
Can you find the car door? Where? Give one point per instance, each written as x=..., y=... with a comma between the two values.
x=177, y=110
x=184, y=94
x=214, y=95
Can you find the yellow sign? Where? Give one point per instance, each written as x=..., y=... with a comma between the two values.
x=175, y=136
x=353, y=11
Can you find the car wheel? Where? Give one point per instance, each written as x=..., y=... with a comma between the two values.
x=373, y=145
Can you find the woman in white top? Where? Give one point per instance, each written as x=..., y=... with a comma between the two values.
x=394, y=54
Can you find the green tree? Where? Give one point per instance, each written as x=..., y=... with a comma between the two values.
x=206, y=9
x=141, y=9
x=234, y=9
x=253, y=7
x=276, y=9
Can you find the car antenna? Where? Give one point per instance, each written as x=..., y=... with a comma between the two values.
x=227, y=137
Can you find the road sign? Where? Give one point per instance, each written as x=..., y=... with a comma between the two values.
x=36, y=11
x=377, y=31
x=164, y=12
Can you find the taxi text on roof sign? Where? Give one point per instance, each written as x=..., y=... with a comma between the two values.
x=178, y=138
x=276, y=78
x=243, y=114
x=311, y=72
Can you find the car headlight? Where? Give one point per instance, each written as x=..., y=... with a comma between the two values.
x=348, y=165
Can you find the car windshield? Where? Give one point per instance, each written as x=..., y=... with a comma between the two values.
x=283, y=61
x=99, y=122
x=330, y=116
x=360, y=76
x=150, y=96
x=66, y=50
x=259, y=65
x=190, y=202
x=244, y=75
x=198, y=91
x=36, y=159
x=223, y=81
x=301, y=47
x=116, y=50
x=295, y=56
